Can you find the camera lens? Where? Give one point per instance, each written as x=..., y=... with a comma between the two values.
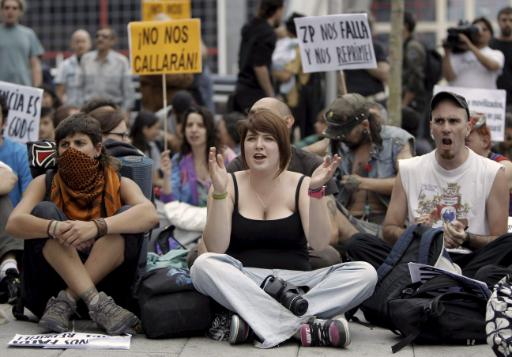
x=296, y=304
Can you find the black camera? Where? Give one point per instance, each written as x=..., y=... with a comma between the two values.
x=452, y=41
x=286, y=293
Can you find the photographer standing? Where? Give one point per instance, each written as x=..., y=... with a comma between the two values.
x=504, y=44
x=470, y=62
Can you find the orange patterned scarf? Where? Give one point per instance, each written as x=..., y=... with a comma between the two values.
x=80, y=187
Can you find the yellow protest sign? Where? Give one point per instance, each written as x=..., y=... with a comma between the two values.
x=172, y=9
x=162, y=47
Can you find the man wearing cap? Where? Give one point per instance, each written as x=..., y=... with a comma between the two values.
x=450, y=187
x=370, y=153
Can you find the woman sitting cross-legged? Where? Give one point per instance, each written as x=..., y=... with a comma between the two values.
x=260, y=222
x=82, y=227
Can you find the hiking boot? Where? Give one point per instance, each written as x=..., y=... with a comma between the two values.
x=239, y=331
x=58, y=313
x=10, y=287
x=319, y=332
x=112, y=317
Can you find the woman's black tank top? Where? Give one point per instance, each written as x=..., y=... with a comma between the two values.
x=272, y=244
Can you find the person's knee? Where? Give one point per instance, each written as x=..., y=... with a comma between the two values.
x=203, y=264
x=357, y=243
x=46, y=210
x=491, y=274
x=366, y=273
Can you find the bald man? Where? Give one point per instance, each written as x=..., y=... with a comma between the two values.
x=305, y=163
x=68, y=79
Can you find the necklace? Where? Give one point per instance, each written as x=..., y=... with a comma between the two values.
x=262, y=203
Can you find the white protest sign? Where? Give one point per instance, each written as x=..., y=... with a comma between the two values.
x=335, y=42
x=490, y=102
x=24, y=104
x=72, y=340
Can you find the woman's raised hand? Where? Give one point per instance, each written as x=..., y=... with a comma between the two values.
x=217, y=169
x=324, y=172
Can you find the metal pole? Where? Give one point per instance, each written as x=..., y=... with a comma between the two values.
x=103, y=13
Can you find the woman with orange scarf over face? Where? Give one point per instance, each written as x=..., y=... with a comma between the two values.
x=82, y=235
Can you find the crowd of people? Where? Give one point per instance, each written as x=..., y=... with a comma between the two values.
x=307, y=196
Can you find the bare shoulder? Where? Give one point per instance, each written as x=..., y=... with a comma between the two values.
x=291, y=179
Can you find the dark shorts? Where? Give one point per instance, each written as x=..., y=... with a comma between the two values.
x=40, y=281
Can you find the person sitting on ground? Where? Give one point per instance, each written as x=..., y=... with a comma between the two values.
x=144, y=135
x=306, y=163
x=82, y=227
x=46, y=128
x=505, y=147
x=10, y=248
x=370, y=152
x=98, y=102
x=228, y=130
x=63, y=112
x=114, y=131
x=259, y=223
x=450, y=187
x=186, y=176
x=479, y=140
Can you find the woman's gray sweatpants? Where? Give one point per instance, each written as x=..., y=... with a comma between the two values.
x=332, y=291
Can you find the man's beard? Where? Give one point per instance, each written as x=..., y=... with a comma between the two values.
x=446, y=155
x=506, y=31
x=365, y=138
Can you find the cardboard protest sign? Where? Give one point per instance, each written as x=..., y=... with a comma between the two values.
x=171, y=9
x=164, y=47
x=72, y=340
x=24, y=104
x=491, y=102
x=335, y=42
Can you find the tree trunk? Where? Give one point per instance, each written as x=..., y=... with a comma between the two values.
x=395, y=59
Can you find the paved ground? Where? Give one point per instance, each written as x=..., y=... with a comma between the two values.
x=365, y=342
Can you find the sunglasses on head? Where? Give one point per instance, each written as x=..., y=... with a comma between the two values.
x=477, y=119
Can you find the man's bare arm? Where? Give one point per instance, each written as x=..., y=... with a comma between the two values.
x=37, y=73
x=263, y=76
x=393, y=225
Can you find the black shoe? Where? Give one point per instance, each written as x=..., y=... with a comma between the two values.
x=10, y=287
x=239, y=331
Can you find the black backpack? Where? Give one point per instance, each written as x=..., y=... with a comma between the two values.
x=433, y=67
x=419, y=244
x=443, y=310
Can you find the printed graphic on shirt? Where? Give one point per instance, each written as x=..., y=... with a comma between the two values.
x=442, y=204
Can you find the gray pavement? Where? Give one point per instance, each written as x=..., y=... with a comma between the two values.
x=365, y=342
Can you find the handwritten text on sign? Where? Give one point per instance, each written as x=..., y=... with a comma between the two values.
x=335, y=42
x=24, y=104
x=490, y=102
x=172, y=9
x=162, y=47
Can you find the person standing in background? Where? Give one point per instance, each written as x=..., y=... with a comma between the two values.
x=68, y=84
x=106, y=73
x=19, y=47
x=504, y=44
x=255, y=56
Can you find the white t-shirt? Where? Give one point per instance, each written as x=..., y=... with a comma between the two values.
x=469, y=72
x=446, y=195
